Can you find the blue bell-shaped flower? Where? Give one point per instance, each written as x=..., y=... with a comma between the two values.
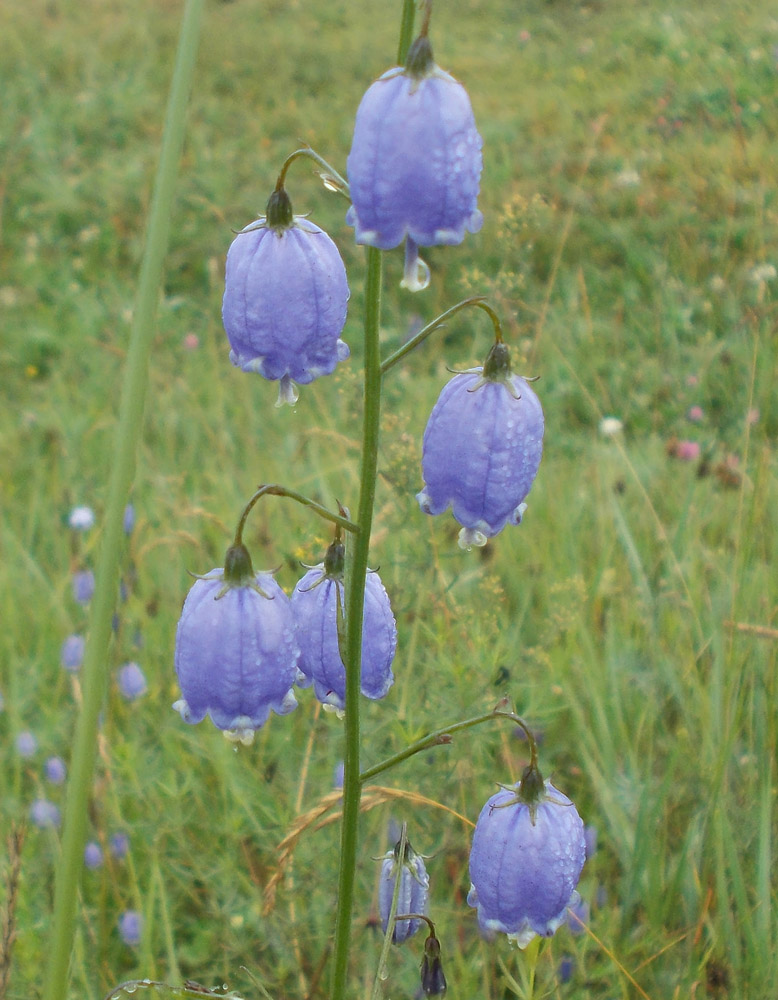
x=318, y=603
x=414, y=168
x=481, y=449
x=413, y=894
x=285, y=299
x=236, y=651
x=527, y=855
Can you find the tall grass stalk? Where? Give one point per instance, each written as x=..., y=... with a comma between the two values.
x=128, y=433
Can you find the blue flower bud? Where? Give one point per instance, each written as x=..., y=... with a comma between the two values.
x=525, y=863
x=317, y=601
x=481, y=450
x=413, y=893
x=415, y=163
x=433, y=980
x=236, y=651
x=285, y=300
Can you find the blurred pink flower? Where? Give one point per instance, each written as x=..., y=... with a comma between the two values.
x=695, y=414
x=687, y=451
x=191, y=342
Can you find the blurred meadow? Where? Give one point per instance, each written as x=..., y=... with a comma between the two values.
x=630, y=244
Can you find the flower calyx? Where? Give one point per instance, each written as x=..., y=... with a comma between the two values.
x=420, y=61
x=278, y=213
x=239, y=571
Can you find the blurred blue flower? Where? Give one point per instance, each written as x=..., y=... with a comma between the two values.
x=285, y=299
x=131, y=927
x=120, y=845
x=128, y=520
x=590, y=836
x=236, y=650
x=413, y=893
x=132, y=681
x=482, y=447
x=81, y=518
x=578, y=914
x=337, y=775
x=72, y=652
x=93, y=855
x=83, y=586
x=55, y=770
x=415, y=163
x=527, y=855
x=26, y=744
x=565, y=969
x=317, y=601
x=44, y=814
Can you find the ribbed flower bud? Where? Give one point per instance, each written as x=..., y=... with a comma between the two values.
x=412, y=895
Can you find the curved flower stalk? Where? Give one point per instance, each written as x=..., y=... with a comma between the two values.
x=415, y=163
x=413, y=894
x=236, y=653
x=285, y=299
x=482, y=448
x=527, y=855
x=318, y=606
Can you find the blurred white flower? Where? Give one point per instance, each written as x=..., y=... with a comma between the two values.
x=627, y=178
x=609, y=426
x=762, y=272
x=81, y=518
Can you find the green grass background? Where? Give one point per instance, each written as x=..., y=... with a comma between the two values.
x=630, y=204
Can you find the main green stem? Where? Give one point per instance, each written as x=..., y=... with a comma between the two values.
x=128, y=430
x=356, y=570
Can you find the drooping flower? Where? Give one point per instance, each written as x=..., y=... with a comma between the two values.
x=236, y=651
x=131, y=927
x=26, y=744
x=83, y=583
x=120, y=845
x=93, y=855
x=132, y=681
x=55, y=770
x=527, y=855
x=482, y=447
x=412, y=895
x=414, y=168
x=318, y=601
x=45, y=814
x=285, y=299
x=72, y=652
x=128, y=519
